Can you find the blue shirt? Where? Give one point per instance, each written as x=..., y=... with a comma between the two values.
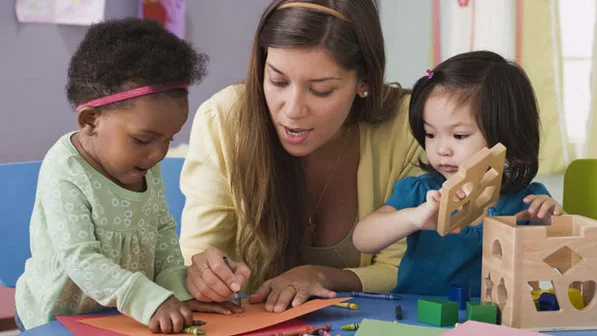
x=431, y=262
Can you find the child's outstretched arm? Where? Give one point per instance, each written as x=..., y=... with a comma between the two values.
x=387, y=225
x=170, y=271
x=67, y=213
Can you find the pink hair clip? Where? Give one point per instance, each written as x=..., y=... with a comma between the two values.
x=429, y=74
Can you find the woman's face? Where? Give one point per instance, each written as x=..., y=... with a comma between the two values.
x=308, y=95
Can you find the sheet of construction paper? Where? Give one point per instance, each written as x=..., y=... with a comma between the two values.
x=254, y=317
x=473, y=328
x=370, y=327
x=74, y=325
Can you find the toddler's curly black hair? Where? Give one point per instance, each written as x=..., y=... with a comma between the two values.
x=118, y=55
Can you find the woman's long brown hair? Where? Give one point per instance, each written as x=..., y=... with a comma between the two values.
x=268, y=184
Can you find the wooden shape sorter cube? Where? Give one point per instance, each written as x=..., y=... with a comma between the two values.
x=563, y=253
x=480, y=177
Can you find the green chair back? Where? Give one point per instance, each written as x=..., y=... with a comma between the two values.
x=580, y=188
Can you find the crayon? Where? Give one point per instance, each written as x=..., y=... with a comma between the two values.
x=193, y=331
x=352, y=326
x=385, y=296
x=398, y=312
x=347, y=305
x=236, y=295
x=308, y=330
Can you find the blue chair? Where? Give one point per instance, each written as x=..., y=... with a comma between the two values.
x=19, y=182
x=171, y=168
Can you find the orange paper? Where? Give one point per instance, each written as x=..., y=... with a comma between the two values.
x=253, y=318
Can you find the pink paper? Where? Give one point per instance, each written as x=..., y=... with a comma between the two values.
x=475, y=328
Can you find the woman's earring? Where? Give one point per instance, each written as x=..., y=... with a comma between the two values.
x=365, y=94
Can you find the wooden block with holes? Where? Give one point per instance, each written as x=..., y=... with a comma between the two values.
x=516, y=257
x=480, y=177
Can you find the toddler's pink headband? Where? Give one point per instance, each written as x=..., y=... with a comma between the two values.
x=132, y=93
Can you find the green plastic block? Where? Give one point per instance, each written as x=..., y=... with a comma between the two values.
x=482, y=312
x=437, y=312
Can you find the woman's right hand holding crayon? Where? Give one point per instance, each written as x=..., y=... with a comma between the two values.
x=209, y=279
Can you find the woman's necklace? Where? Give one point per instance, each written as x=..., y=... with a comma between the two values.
x=311, y=224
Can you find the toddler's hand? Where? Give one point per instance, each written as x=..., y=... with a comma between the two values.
x=541, y=208
x=426, y=218
x=171, y=317
x=428, y=211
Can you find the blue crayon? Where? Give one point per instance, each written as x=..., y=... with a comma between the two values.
x=384, y=296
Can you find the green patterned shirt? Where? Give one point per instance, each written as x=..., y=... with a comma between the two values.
x=95, y=244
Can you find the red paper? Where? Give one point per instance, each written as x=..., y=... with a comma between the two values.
x=73, y=324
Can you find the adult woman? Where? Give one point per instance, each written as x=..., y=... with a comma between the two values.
x=280, y=169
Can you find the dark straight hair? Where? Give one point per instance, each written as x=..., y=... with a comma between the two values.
x=502, y=98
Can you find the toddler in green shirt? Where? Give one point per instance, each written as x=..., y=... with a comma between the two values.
x=101, y=232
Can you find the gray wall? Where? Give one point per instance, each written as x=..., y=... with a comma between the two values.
x=34, y=59
x=407, y=31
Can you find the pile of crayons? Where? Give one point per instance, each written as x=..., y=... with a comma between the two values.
x=353, y=306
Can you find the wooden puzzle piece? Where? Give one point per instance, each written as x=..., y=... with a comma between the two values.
x=480, y=177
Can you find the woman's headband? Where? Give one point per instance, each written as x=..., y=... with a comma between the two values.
x=132, y=93
x=316, y=7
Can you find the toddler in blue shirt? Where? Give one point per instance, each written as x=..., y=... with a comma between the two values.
x=470, y=101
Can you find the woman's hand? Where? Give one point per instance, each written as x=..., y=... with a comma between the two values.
x=224, y=308
x=209, y=279
x=295, y=285
x=541, y=208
